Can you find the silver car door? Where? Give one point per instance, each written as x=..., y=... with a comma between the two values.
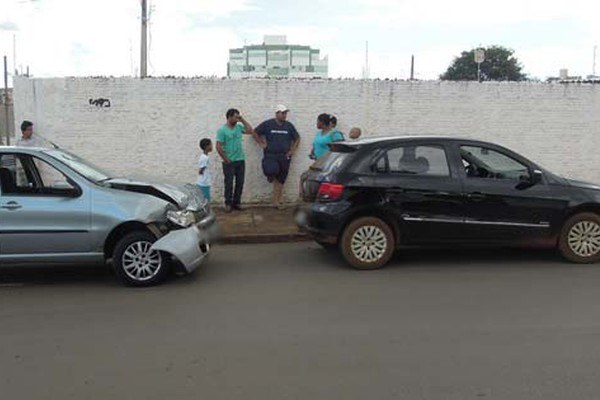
x=42, y=211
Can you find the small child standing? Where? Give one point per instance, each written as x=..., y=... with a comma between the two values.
x=204, y=176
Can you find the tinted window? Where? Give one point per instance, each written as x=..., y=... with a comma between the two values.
x=330, y=162
x=481, y=162
x=415, y=160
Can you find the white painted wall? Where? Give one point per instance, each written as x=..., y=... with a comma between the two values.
x=153, y=126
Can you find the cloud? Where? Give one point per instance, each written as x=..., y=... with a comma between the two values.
x=192, y=37
x=8, y=26
x=189, y=14
x=103, y=38
x=542, y=62
x=472, y=12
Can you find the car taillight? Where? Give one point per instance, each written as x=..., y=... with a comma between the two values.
x=330, y=191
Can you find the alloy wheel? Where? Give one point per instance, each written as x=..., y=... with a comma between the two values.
x=584, y=238
x=140, y=262
x=369, y=243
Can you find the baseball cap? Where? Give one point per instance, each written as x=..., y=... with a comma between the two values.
x=281, y=108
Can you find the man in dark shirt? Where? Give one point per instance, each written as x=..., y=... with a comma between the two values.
x=279, y=139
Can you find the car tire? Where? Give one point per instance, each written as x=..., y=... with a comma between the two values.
x=367, y=243
x=579, y=240
x=135, y=264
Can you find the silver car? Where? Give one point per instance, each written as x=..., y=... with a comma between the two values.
x=55, y=207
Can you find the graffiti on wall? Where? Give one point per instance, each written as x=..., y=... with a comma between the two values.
x=100, y=103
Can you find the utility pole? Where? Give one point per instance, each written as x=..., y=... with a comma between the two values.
x=366, y=67
x=144, y=52
x=594, y=64
x=7, y=125
x=412, y=68
x=15, y=54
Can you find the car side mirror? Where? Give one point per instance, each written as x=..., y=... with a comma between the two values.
x=537, y=176
x=528, y=181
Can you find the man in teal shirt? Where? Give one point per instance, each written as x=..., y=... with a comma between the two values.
x=230, y=148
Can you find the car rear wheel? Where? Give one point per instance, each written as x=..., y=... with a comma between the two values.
x=579, y=240
x=367, y=243
x=135, y=263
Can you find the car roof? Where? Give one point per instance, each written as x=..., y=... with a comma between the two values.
x=11, y=148
x=378, y=139
x=375, y=140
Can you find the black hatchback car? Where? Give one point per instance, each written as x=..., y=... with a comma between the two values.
x=370, y=197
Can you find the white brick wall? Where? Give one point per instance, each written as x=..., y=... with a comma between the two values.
x=153, y=126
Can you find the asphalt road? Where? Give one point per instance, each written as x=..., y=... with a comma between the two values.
x=290, y=321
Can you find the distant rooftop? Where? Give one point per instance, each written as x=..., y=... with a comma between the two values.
x=274, y=40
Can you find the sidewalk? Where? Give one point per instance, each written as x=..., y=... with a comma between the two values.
x=258, y=224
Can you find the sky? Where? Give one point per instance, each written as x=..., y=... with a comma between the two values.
x=58, y=38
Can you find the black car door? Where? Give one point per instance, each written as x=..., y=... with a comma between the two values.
x=506, y=197
x=421, y=189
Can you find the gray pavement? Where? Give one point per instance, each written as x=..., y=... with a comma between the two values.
x=290, y=321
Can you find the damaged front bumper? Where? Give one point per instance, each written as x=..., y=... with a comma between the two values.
x=190, y=245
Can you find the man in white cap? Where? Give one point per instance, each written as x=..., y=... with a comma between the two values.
x=279, y=139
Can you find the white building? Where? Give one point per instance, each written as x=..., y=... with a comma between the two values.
x=276, y=59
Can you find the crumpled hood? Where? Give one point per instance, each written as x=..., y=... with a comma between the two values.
x=187, y=196
x=583, y=185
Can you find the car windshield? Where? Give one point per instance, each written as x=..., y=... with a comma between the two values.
x=79, y=165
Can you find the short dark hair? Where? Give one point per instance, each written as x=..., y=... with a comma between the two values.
x=25, y=125
x=324, y=118
x=334, y=120
x=231, y=112
x=204, y=143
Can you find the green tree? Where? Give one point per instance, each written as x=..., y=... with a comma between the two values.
x=499, y=65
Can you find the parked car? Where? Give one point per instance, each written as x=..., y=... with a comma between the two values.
x=370, y=197
x=56, y=207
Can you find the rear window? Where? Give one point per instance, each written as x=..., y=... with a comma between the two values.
x=330, y=162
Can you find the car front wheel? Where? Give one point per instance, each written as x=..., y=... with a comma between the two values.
x=367, y=243
x=579, y=240
x=135, y=263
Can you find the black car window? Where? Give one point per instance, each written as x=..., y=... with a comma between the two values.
x=23, y=174
x=15, y=175
x=415, y=160
x=330, y=161
x=482, y=162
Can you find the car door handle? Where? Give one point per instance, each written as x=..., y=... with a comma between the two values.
x=11, y=205
x=476, y=196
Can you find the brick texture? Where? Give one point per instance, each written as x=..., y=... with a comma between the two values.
x=152, y=127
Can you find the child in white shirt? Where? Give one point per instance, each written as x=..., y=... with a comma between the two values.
x=204, y=176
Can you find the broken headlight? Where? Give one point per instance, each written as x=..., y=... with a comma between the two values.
x=183, y=218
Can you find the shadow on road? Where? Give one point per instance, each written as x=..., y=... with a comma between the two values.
x=226, y=263
x=74, y=275
x=453, y=257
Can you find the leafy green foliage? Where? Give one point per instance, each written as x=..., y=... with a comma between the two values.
x=499, y=65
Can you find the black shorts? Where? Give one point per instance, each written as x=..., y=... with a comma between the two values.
x=276, y=167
